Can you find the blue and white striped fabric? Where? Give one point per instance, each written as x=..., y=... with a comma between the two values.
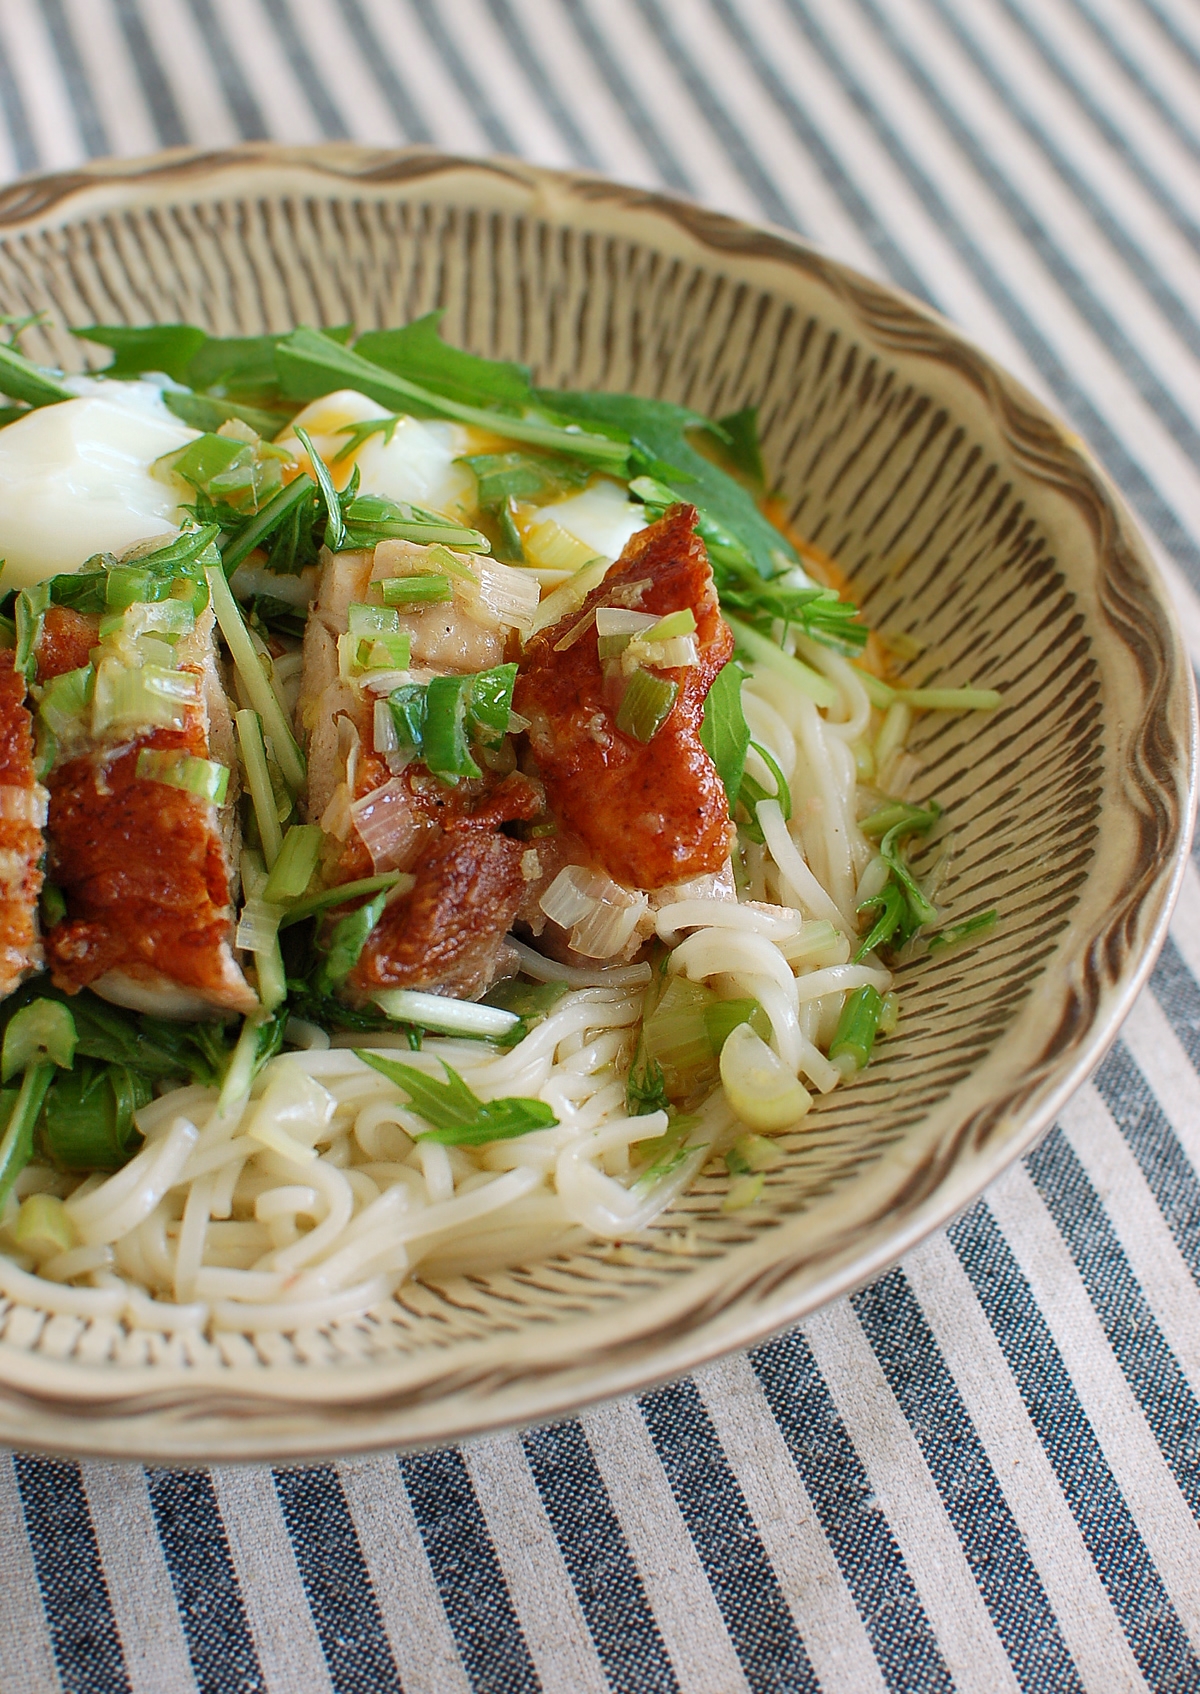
x=983, y=1473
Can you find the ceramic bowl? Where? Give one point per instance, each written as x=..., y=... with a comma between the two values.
x=965, y=517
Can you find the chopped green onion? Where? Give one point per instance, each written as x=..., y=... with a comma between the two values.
x=262, y=696
x=408, y=708
x=759, y=1087
x=258, y=781
x=436, y=1011
x=763, y=651
x=722, y=1017
x=65, y=700
x=416, y=590
x=675, y=1039
x=126, y=585
x=43, y=1032
x=646, y=705
x=44, y=1226
x=372, y=620
x=204, y=458
x=384, y=653
x=335, y=526
x=297, y=860
x=202, y=777
x=338, y=896
x=889, y=1014
x=743, y=1192
x=350, y=937
x=675, y=623
x=447, y=753
x=138, y=697
x=751, y=1153
x=30, y=616
x=855, y=1034
x=490, y=705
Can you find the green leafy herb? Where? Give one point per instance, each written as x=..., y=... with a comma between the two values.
x=740, y=431
x=21, y=379
x=311, y=364
x=645, y=1087
x=202, y=411
x=372, y=518
x=418, y=353
x=87, y=1119
x=335, y=525
x=348, y=939
x=659, y=430
x=536, y=478
x=169, y=348
x=901, y=905
x=459, y=1117
x=724, y=731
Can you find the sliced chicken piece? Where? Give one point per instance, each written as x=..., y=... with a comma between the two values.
x=654, y=813
x=447, y=935
x=146, y=869
x=22, y=813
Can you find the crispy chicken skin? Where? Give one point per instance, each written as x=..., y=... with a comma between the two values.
x=20, y=839
x=447, y=934
x=654, y=813
x=146, y=869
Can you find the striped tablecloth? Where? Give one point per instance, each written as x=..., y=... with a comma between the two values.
x=982, y=1473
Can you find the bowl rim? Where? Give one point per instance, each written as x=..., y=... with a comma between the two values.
x=51, y=1407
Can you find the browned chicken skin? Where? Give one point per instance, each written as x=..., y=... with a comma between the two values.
x=20, y=838
x=144, y=867
x=652, y=813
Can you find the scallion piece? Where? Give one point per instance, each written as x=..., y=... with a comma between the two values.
x=258, y=781
x=43, y=1032
x=722, y=1017
x=372, y=620
x=44, y=1226
x=384, y=652
x=137, y=697
x=857, y=1026
x=293, y=869
x=490, y=704
x=447, y=752
x=675, y=623
x=416, y=590
x=408, y=708
x=65, y=700
x=30, y=615
x=262, y=696
x=202, y=777
x=646, y=705
x=126, y=585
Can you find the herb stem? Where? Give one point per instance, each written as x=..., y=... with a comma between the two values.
x=763, y=651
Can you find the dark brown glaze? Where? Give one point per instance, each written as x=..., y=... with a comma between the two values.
x=66, y=642
x=651, y=813
x=20, y=842
x=144, y=872
x=447, y=933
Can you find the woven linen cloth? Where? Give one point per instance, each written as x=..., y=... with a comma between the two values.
x=983, y=1472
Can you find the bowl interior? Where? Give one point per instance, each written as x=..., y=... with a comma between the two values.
x=975, y=535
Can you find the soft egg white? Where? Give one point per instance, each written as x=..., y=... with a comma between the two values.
x=75, y=479
x=416, y=464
